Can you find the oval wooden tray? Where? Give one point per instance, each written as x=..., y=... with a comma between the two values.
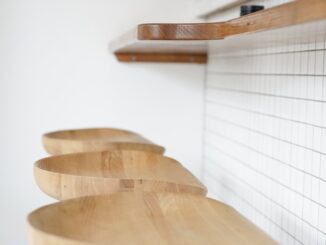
x=96, y=139
x=142, y=219
x=95, y=173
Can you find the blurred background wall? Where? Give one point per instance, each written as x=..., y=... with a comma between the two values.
x=56, y=72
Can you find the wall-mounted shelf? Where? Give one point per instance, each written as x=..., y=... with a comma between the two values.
x=96, y=139
x=188, y=42
x=142, y=219
x=106, y=172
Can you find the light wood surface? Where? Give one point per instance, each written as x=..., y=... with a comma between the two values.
x=191, y=38
x=96, y=139
x=140, y=219
x=95, y=173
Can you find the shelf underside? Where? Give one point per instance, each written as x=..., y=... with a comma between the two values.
x=300, y=21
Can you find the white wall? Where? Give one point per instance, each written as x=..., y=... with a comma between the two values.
x=56, y=72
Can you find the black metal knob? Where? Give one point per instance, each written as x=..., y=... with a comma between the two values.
x=248, y=9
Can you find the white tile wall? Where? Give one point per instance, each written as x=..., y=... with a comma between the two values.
x=265, y=136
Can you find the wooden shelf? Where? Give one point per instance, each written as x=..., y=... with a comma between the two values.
x=99, y=173
x=96, y=139
x=187, y=42
x=142, y=219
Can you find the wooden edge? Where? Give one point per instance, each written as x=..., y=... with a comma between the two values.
x=182, y=31
x=293, y=13
x=162, y=57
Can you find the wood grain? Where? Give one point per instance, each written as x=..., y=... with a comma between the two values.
x=293, y=13
x=152, y=57
x=190, y=38
x=96, y=139
x=142, y=219
x=95, y=173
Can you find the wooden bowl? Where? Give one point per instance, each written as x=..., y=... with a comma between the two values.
x=96, y=139
x=96, y=173
x=142, y=219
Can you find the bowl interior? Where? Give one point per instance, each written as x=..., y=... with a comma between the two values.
x=95, y=134
x=146, y=218
x=121, y=164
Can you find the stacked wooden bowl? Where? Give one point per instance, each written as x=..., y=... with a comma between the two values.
x=116, y=187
